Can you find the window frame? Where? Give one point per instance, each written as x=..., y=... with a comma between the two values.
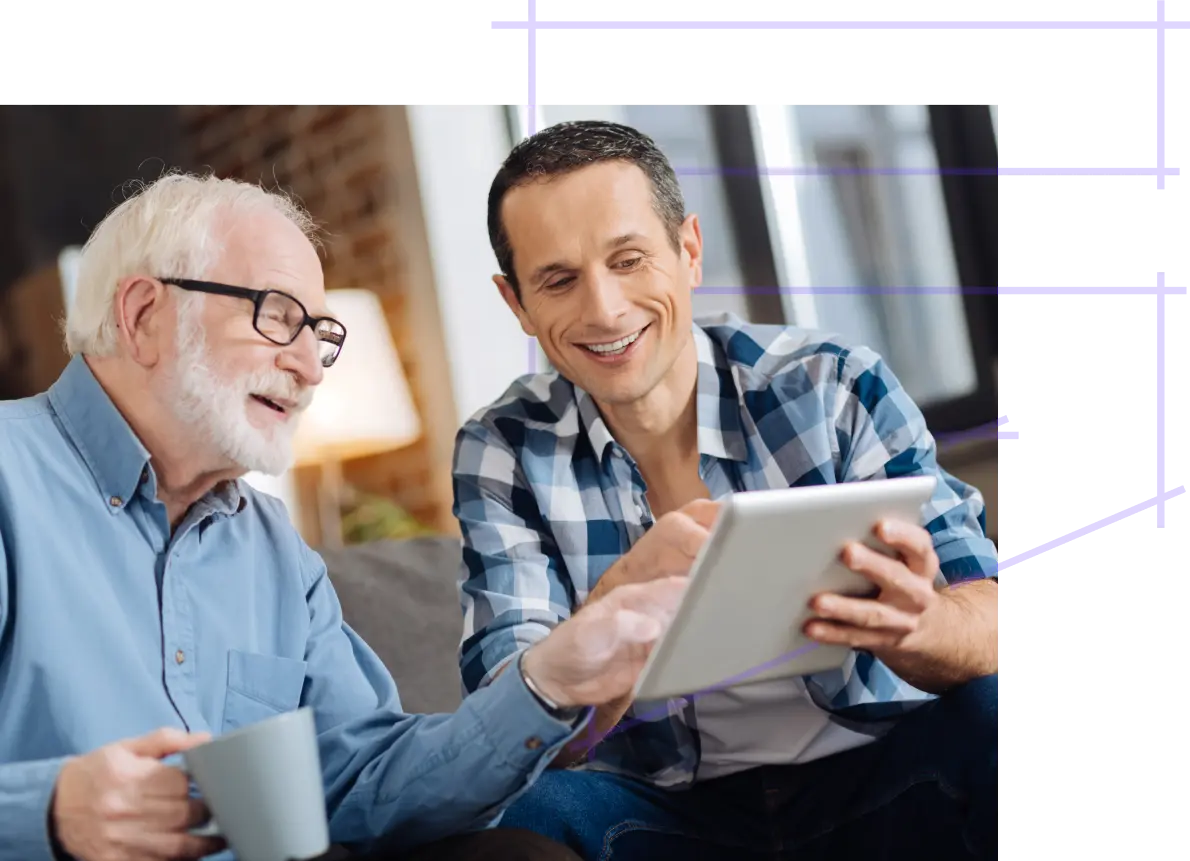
x=964, y=137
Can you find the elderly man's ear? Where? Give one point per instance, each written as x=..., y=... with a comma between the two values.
x=143, y=318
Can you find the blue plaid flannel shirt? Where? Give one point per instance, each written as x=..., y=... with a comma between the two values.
x=547, y=500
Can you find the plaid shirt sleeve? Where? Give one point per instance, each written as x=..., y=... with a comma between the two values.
x=511, y=585
x=881, y=434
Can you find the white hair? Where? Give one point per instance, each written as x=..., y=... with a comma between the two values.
x=165, y=229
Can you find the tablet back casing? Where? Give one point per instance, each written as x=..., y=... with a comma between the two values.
x=769, y=552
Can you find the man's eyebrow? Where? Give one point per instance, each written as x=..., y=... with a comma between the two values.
x=316, y=312
x=624, y=239
x=558, y=266
x=548, y=269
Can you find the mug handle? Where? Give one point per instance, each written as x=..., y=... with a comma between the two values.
x=210, y=828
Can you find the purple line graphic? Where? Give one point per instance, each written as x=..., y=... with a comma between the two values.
x=835, y=171
x=1004, y=433
x=846, y=291
x=1160, y=99
x=838, y=25
x=1159, y=25
x=1062, y=288
x=985, y=431
x=1160, y=290
x=1003, y=565
x=1087, y=530
x=1160, y=173
x=592, y=740
x=532, y=119
x=1160, y=403
x=658, y=712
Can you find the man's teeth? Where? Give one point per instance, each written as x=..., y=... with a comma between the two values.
x=615, y=346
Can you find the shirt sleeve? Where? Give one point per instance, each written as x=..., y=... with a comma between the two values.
x=25, y=787
x=881, y=433
x=511, y=581
x=25, y=792
x=408, y=778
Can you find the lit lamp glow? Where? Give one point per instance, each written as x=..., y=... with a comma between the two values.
x=362, y=407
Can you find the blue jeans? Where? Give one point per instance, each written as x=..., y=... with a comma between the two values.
x=925, y=790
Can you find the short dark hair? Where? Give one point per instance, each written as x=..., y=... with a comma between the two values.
x=566, y=147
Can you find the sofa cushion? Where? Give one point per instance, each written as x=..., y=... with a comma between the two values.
x=402, y=598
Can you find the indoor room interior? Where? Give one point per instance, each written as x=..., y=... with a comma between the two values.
x=799, y=228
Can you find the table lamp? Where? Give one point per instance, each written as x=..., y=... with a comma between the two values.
x=362, y=407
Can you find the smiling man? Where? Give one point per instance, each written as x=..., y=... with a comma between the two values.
x=150, y=599
x=604, y=472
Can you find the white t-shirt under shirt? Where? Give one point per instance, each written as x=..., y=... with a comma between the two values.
x=771, y=722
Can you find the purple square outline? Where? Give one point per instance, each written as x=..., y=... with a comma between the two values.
x=1160, y=25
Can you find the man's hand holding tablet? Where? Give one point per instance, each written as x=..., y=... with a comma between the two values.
x=911, y=626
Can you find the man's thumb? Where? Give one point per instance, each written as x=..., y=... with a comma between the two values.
x=165, y=741
x=702, y=511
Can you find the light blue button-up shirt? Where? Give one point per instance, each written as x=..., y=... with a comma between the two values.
x=111, y=627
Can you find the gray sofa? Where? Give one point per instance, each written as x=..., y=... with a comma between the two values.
x=402, y=598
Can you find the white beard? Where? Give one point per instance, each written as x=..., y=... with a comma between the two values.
x=217, y=409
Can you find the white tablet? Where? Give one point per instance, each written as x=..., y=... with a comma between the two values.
x=769, y=552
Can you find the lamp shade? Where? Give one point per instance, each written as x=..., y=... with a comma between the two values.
x=363, y=405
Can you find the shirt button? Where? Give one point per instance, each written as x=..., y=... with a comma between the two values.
x=179, y=656
x=617, y=452
x=116, y=502
x=533, y=743
x=640, y=511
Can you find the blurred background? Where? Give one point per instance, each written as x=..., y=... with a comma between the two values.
x=847, y=200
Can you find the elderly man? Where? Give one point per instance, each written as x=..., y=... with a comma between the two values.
x=563, y=484
x=148, y=598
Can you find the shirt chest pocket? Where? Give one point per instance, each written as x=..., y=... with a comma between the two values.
x=260, y=686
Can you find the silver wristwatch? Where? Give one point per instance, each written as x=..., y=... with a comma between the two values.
x=566, y=714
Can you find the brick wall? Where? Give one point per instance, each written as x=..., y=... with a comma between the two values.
x=345, y=164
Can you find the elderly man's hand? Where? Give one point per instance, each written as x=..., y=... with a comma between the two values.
x=596, y=656
x=121, y=803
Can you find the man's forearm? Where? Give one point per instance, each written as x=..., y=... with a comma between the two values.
x=418, y=778
x=958, y=640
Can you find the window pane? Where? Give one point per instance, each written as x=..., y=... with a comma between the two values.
x=68, y=272
x=876, y=232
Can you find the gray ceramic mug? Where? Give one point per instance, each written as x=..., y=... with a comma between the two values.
x=263, y=786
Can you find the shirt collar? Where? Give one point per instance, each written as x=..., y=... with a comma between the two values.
x=717, y=405
x=116, y=457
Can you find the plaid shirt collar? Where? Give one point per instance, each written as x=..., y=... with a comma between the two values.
x=718, y=407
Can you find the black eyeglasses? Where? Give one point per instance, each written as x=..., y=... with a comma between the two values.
x=278, y=316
